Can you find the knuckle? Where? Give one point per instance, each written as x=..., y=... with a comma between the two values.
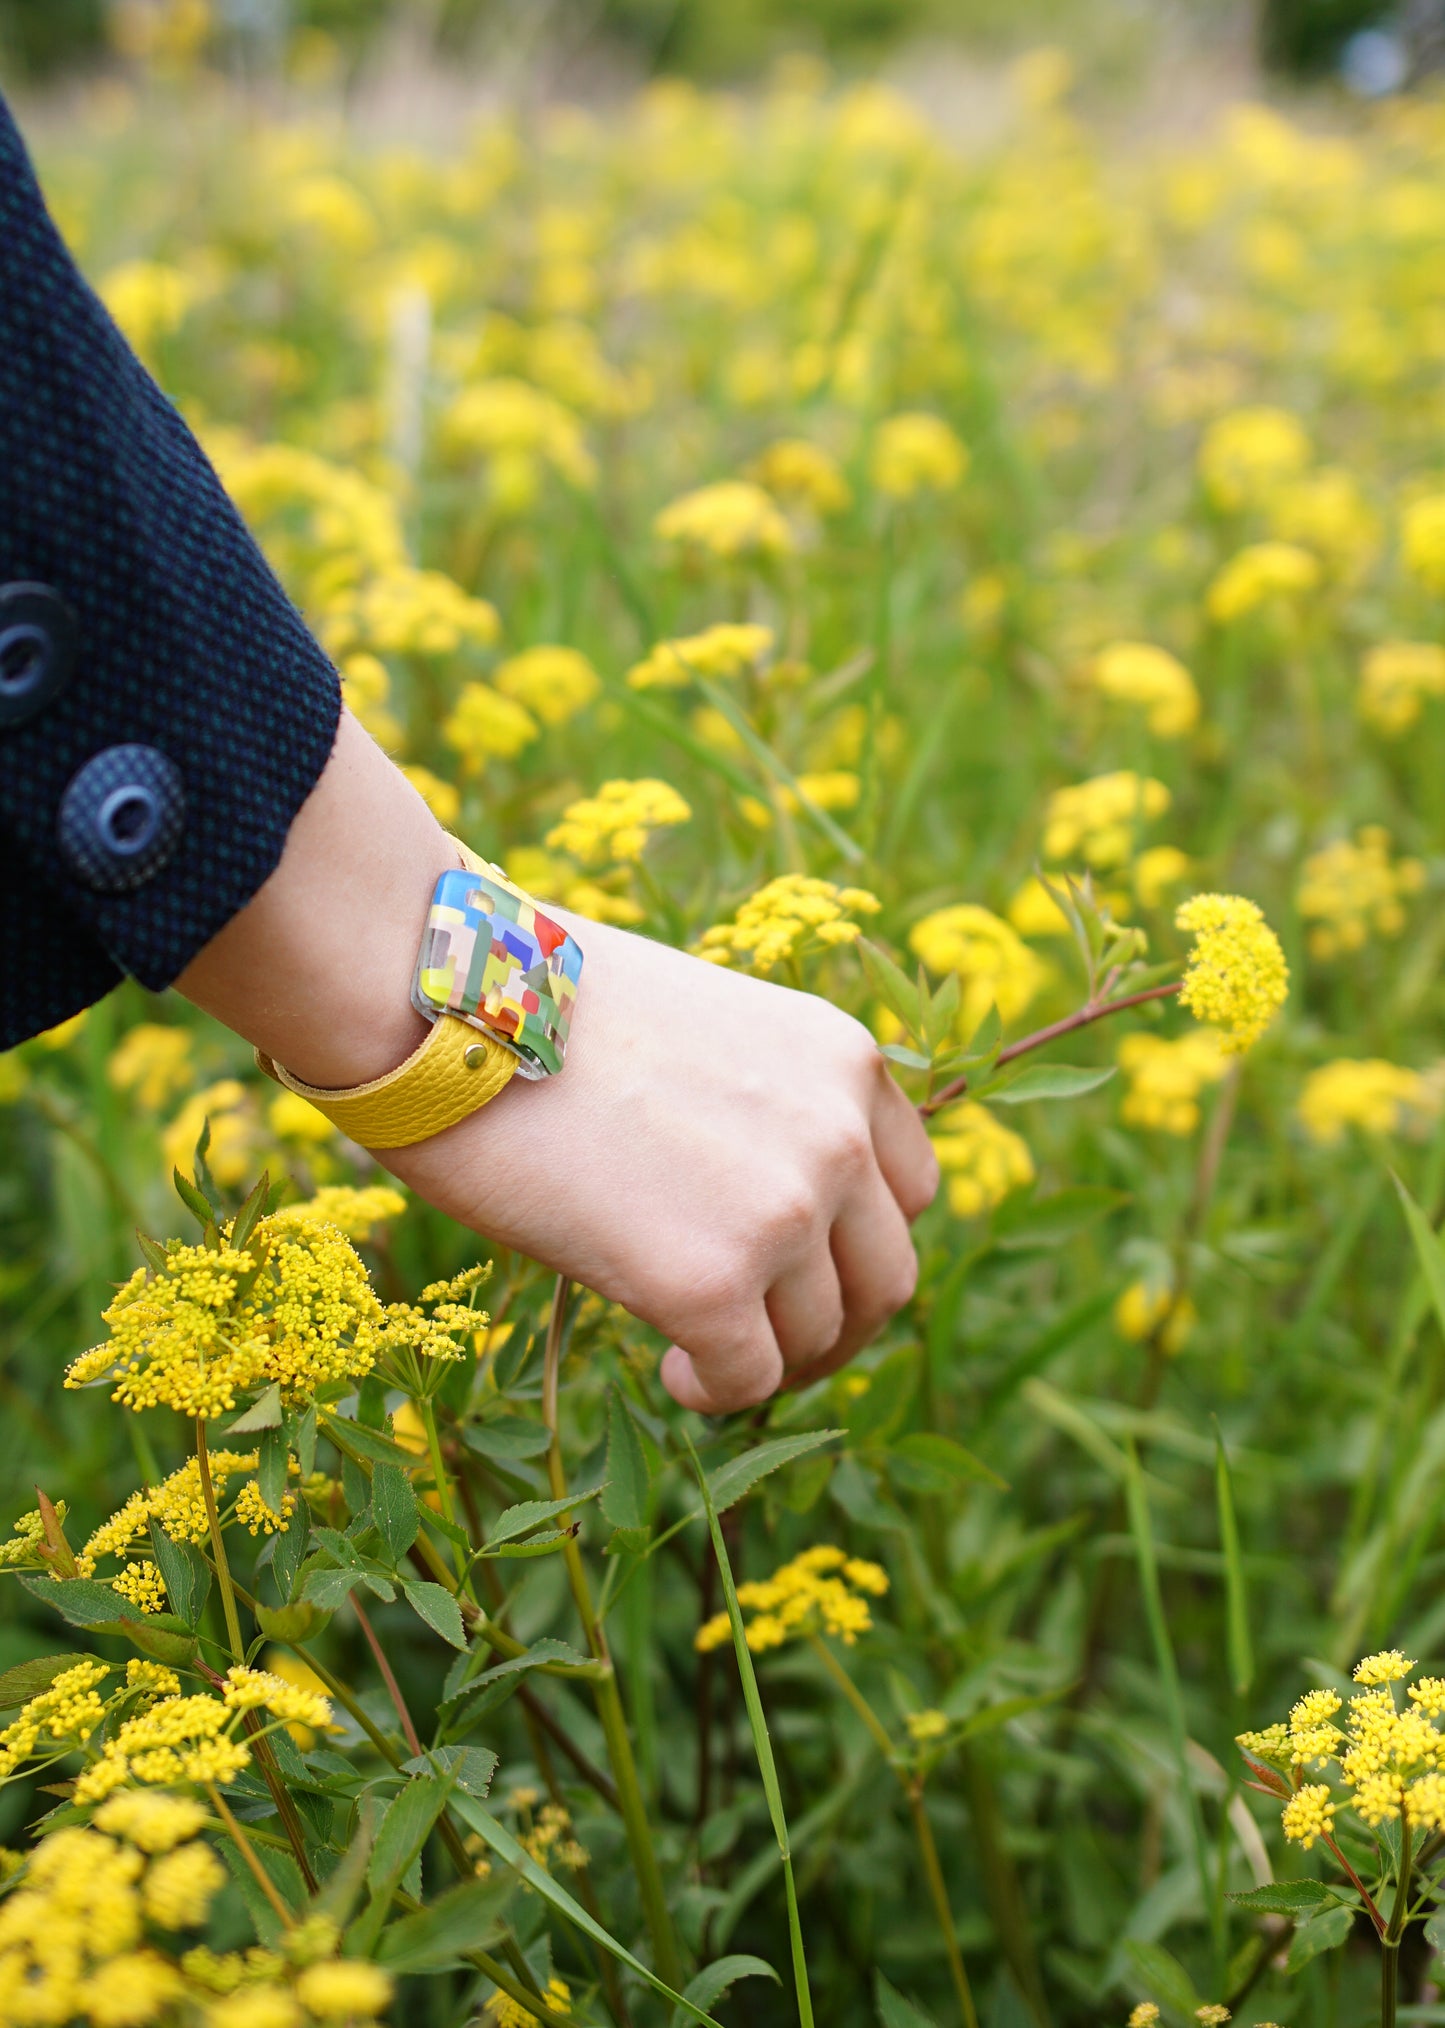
x=791, y=1213
x=902, y=1282
x=851, y=1148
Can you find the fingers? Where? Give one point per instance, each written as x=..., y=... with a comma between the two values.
x=905, y=1153
x=805, y=1306
x=741, y=1368
x=877, y=1272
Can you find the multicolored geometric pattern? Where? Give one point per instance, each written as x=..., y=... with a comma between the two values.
x=489, y=954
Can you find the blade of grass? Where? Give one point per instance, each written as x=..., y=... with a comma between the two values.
x=762, y=1745
x=1241, y=1651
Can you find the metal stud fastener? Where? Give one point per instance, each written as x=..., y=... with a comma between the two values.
x=475, y=1056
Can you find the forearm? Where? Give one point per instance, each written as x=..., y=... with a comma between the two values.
x=316, y=969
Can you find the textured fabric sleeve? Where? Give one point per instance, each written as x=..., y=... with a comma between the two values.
x=185, y=650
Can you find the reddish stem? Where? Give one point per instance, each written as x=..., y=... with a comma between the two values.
x=1091, y=1011
x=1355, y=1881
x=392, y=1686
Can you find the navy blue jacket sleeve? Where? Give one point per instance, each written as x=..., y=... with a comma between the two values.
x=163, y=710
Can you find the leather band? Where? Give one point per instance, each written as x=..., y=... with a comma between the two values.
x=454, y=1069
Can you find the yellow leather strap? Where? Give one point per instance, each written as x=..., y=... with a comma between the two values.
x=454, y=1069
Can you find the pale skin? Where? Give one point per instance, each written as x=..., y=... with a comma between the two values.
x=741, y=1174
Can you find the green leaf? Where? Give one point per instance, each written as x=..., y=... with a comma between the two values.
x=406, y=1827
x=506, y=1436
x=910, y=1059
x=1429, y=1248
x=152, y=1252
x=716, y=1980
x=330, y=1589
x=295, y=1622
x=1286, y=1897
x=436, y=1605
x=470, y=1768
x=540, y=1655
x=892, y=985
x=394, y=1508
x=184, y=1572
x=1048, y=1081
x=251, y=1212
x=162, y=1636
x=627, y=1496
x=1021, y=1223
x=355, y=1437
x=272, y=1459
x=437, y=1938
x=83, y=1601
x=264, y=1413
x=1323, y=1932
x=893, y=2010
x=1163, y=1976
x=727, y=1485
x=535, y=1545
x=198, y=1205
x=1435, y=1931
x=500, y=1840
x=514, y=1522
x=1236, y=1597
x=30, y=1679
x=940, y=1462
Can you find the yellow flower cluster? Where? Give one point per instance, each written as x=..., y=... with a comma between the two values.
x=996, y=966
x=1369, y=1093
x=823, y=1590
x=734, y=520
x=1386, y=1757
x=724, y=650
x=1351, y=887
x=614, y=825
x=57, y=1721
x=553, y=683
x=1264, y=574
x=982, y=1159
x=405, y=611
x=504, y=2012
x=484, y=725
x=26, y=1540
x=177, y=1504
x=1166, y=1077
x=1248, y=454
x=522, y=433
x=1151, y=680
x=1144, y=1306
x=1422, y=536
x=352, y=1210
x=916, y=453
x=152, y=1061
x=802, y=474
x=1100, y=820
x=1396, y=678
x=1236, y=979
x=791, y=916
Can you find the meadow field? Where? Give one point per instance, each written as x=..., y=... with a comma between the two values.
x=976, y=584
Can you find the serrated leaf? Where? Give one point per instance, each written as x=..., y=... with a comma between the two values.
x=394, y=1508
x=894, y=2011
x=273, y=1456
x=469, y=1768
x=437, y=1938
x=716, y=1980
x=406, y=1827
x=1049, y=1081
x=251, y=1212
x=162, y=1636
x=1285, y=1897
x=538, y=1656
x=948, y=1461
x=198, y=1205
x=514, y=1522
x=1323, y=1932
x=436, y=1605
x=739, y=1475
x=295, y=1622
x=184, y=1572
x=329, y=1589
x=366, y=1443
x=506, y=1436
x=546, y=1544
x=152, y=1252
x=909, y=1059
x=264, y=1413
x=83, y=1601
x=626, y=1498
x=1435, y=1931
x=30, y=1679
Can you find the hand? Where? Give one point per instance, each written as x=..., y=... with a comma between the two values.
x=728, y=1159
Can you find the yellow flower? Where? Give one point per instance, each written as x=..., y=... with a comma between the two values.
x=293, y=1118
x=152, y=1061
x=293, y=1670
x=1348, y=889
x=791, y=916
x=1212, y=2016
x=403, y=611
x=141, y=1584
x=151, y=1820
x=1395, y=679
x=1369, y=1093
x=982, y=1159
x=1309, y=1814
x=1422, y=531
x=333, y=211
x=440, y=797
x=926, y=1726
x=1326, y=512
x=1143, y=1307
x=795, y=470
x=1101, y=818
x=1166, y=1077
x=508, y=2013
x=1134, y=672
x=235, y=1133
x=916, y=453
x=1257, y=575
x=1033, y=912
x=484, y=725
x=615, y=824
x=1144, y=2015
x=149, y=301
x=342, y=1989
x=255, y=2007
x=731, y=520
x=352, y=1210
x=1236, y=979
x=366, y=693
x=996, y=966
x=553, y=683
x=1157, y=870
x=521, y=432
x=1246, y=455
x=180, y=1886
x=724, y=650
x=1388, y=1666
x=820, y=1590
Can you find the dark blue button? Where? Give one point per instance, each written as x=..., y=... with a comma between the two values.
x=121, y=818
x=37, y=650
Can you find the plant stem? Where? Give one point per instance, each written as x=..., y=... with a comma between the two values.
x=1084, y=1017
x=258, y=1872
x=337, y=1689
x=388, y=1676
x=443, y=1483
x=1390, y=1943
x=604, y=1688
x=877, y=1730
x=938, y=1895
x=223, y=1568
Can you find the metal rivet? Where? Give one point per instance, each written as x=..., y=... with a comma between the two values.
x=475, y=1056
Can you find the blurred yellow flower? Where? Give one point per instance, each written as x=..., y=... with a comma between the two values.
x=1102, y=818
x=1395, y=679
x=415, y=612
x=724, y=650
x=823, y=1590
x=1422, y=535
x=1264, y=572
x=154, y=1062
x=521, y=432
x=293, y=1118
x=1134, y=672
x=1236, y=979
x=1369, y=1093
x=235, y=1133
x=982, y=1160
x=616, y=823
x=366, y=693
x=794, y=470
x=916, y=453
x=733, y=519
x=1353, y=887
x=1166, y=1076
x=149, y=301
x=1144, y=1306
x=483, y=725
x=555, y=683
x=1325, y=511
x=1246, y=455
x=789, y=917
x=333, y=211
x=1157, y=870
x=996, y=966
